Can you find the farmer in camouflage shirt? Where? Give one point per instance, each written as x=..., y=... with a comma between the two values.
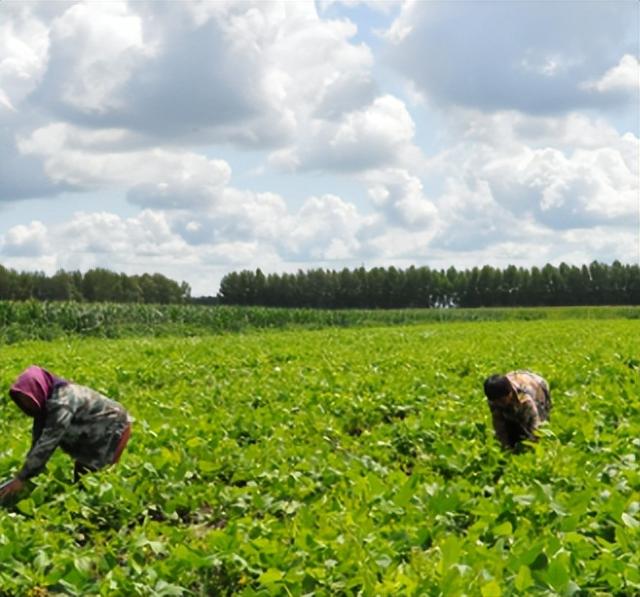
x=89, y=427
x=519, y=402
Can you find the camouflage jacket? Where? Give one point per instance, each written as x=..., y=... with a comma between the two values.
x=518, y=415
x=85, y=424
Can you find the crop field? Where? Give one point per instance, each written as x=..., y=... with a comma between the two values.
x=34, y=320
x=337, y=462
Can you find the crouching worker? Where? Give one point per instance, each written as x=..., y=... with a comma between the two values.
x=88, y=426
x=519, y=403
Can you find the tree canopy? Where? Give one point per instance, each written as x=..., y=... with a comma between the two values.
x=593, y=284
x=96, y=285
x=376, y=288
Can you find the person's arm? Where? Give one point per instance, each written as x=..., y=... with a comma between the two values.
x=529, y=418
x=501, y=429
x=58, y=419
x=36, y=430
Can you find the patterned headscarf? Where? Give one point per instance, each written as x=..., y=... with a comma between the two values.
x=38, y=384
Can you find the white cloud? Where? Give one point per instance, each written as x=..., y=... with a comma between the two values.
x=324, y=228
x=101, y=44
x=587, y=188
x=158, y=177
x=99, y=239
x=625, y=77
x=376, y=135
x=232, y=215
x=25, y=241
x=203, y=72
x=471, y=217
x=147, y=235
x=24, y=45
x=400, y=196
x=336, y=73
x=563, y=172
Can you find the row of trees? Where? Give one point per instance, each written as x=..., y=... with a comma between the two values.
x=594, y=284
x=96, y=285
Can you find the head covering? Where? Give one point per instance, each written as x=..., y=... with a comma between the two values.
x=38, y=384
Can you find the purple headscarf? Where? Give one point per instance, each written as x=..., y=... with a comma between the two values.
x=38, y=384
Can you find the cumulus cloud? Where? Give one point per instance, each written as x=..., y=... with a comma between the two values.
x=101, y=239
x=324, y=228
x=233, y=215
x=146, y=235
x=119, y=76
x=500, y=55
x=562, y=172
x=472, y=219
x=95, y=48
x=378, y=134
x=25, y=241
x=577, y=191
x=400, y=196
x=202, y=72
x=24, y=45
x=624, y=77
x=84, y=159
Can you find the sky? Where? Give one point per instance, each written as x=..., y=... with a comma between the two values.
x=198, y=138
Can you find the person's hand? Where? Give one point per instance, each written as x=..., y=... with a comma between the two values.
x=11, y=488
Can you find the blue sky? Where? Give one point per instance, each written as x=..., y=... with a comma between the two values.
x=196, y=138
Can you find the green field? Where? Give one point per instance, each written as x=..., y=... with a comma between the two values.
x=35, y=320
x=338, y=462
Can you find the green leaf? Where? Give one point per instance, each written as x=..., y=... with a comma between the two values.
x=405, y=493
x=491, y=589
x=271, y=576
x=166, y=589
x=630, y=521
x=206, y=466
x=26, y=506
x=503, y=530
x=82, y=564
x=450, y=552
x=557, y=575
x=194, y=442
x=523, y=579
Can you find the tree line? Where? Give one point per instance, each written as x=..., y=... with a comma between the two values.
x=95, y=285
x=420, y=287
x=414, y=287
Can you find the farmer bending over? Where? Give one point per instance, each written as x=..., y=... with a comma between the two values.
x=91, y=428
x=519, y=402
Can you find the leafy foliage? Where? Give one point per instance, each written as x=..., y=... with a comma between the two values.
x=338, y=462
x=95, y=285
x=595, y=284
x=34, y=320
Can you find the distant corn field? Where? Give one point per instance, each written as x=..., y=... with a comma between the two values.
x=33, y=320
